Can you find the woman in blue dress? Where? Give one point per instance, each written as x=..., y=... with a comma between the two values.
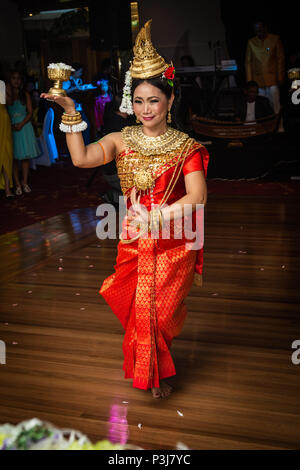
x=24, y=141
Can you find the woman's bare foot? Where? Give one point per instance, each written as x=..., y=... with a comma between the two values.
x=163, y=391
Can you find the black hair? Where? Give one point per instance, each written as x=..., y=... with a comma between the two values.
x=158, y=82
x=250, y=84
x=163, y=86
x=22, y=92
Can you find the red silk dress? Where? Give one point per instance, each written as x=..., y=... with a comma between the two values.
x=151, y=279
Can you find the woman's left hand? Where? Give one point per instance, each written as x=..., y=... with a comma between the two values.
x=138, y=212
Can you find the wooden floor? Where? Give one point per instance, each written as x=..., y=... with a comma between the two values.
x=236, y=385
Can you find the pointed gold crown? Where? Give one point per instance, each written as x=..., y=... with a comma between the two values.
x=147, y=63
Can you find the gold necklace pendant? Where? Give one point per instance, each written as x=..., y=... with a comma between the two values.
x=143, y=179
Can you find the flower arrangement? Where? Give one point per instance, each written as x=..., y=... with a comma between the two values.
x=126, y=105
x=35, y=434
x=59, y=73
x=60, y=66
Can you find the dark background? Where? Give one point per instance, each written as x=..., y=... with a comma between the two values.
x=283, y=19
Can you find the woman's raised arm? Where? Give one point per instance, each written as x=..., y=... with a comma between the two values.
x=83, y=156
x=91, y=155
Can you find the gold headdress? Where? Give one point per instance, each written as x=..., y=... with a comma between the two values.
x=146, y=63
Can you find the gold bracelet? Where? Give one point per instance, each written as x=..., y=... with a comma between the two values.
x=71, y=115
x=76, y=118
x=71, y=118
x=71, y=123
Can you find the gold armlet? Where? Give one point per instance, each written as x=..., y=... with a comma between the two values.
x=104, y=155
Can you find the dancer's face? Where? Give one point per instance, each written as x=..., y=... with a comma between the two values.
x=151, y=105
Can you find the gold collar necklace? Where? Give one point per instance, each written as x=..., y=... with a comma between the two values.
x=135, y=139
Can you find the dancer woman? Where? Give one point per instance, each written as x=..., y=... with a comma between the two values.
x=156, y=163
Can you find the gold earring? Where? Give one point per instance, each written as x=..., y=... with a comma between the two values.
x=169, y=119
x=137, y=121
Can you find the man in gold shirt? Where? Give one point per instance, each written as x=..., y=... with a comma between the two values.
x=265, y=64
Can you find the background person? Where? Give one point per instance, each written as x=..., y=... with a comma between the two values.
x=252, y=106
x=25, y=144
x=265, y=64
x=6, y=147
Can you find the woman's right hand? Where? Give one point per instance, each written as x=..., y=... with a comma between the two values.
x=64, y=101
